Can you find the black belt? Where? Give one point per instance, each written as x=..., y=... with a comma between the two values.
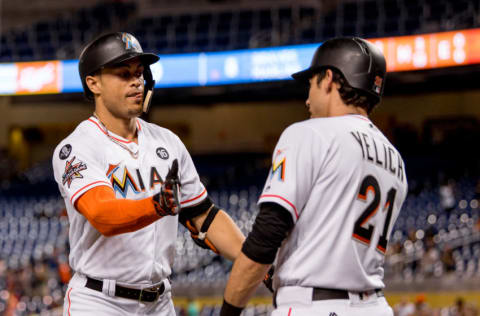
x=144, y=295
x=320, y=294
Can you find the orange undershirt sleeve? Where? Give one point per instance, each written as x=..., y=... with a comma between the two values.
x=112, y=216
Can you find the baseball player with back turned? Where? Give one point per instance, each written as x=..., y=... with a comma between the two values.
x=331, y=199
x=126, y=184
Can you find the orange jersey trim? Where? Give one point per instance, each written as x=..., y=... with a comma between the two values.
x=360, y=238
x=362, y=118
x=381, y=249
x=283, y=199
x=197, y=197
x=364, y=197
x=112, y=216
x=88, y=185
x=69, y=302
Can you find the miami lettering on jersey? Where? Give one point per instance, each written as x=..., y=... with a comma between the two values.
x=73, y=171
x=122, y=179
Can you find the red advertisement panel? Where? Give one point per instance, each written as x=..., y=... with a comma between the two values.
x=38, y=77
x=429, y=51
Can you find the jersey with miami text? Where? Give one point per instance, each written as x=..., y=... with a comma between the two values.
x=344, y=184
x=88, y=158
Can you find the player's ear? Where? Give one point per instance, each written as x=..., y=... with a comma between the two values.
x=93, y=83
x=328, y=79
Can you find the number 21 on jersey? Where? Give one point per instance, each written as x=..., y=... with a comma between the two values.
x=363, y=230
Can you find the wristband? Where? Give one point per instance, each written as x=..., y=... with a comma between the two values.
x=230, y=310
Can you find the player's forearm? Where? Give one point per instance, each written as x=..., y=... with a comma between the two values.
x=246, y=275
x=112, y=216
x=224, y=234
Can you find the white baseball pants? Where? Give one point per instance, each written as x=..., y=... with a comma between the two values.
x=82, y=301
x=297, y=301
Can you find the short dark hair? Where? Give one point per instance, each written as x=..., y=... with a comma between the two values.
x=349, y=95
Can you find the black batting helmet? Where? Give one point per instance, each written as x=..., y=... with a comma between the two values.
x=111, y=49
x=359, y=61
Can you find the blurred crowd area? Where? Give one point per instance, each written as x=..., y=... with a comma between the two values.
x=186, y=26
x=437, y=233
x=420, y=307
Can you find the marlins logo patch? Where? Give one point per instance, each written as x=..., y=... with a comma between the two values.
x=72, y=171
x=124, y=181
x=377, y=86
x=280, y=168
x=130, y=42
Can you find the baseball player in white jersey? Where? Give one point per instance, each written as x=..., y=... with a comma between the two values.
x=331, y=199
x=126, y=184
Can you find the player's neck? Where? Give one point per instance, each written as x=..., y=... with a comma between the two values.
x=338, y=108
x=349, y=110
x=125, y=128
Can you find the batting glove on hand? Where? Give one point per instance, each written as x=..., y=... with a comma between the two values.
x=166, y=201
x=268, y=279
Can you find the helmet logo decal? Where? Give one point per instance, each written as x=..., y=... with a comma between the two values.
x=377, y=86
x=130, y=41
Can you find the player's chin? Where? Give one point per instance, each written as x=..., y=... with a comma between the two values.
x=135, y=108
x=309, y=111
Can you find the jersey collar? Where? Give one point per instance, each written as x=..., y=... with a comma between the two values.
x=130, y=146
x=359, y=116
x=102, y=128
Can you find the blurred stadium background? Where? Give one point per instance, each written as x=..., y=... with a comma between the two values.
x=222, y=86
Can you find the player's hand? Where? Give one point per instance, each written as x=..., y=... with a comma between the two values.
x=166, y=201
x=268, y=279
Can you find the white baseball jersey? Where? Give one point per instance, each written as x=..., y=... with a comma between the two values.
x=344, y=184
x=88, y=158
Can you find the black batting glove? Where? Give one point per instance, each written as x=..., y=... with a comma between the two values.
x=166, y=201
x=268, y=279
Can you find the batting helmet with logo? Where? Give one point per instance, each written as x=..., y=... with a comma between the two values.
x=111, y=49
x=360, y=62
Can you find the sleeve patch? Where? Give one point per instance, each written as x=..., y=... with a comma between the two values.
x=279, y=167
x=73, y=171
x=65, y=152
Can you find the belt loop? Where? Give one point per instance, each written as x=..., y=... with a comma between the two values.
x=109, y=287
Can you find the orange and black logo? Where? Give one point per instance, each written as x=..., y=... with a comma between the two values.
x=377, y=86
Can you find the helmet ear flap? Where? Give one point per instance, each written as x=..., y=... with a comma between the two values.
x=148, y=90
